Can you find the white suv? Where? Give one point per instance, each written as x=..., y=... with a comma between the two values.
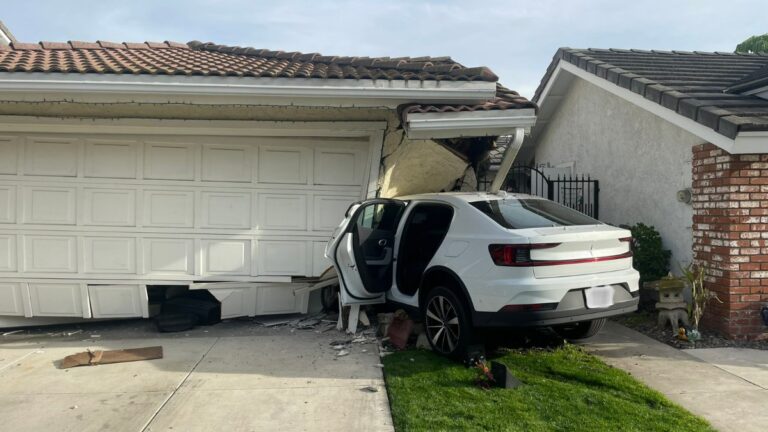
x=469, y=260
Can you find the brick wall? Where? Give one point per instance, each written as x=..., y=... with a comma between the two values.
x=730, y=230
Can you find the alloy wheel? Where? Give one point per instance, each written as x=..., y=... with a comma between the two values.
x=442, y=324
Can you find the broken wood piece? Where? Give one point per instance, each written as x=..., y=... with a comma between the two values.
x=93, y=358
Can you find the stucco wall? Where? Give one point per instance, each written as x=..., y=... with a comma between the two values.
x=407, y=166
x=640, y=160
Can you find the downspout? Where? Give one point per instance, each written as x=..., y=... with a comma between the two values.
x=506, y=163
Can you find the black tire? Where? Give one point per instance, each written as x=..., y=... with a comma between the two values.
x=447, y=323
x=580, y=330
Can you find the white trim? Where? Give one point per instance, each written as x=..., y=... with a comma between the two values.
x=261, y=91
x=470, y=124
x=189, y=127
x=374, y=159
x=745, y=142
x=752, y=142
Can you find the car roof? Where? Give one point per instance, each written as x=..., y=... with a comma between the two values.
x=465, y=196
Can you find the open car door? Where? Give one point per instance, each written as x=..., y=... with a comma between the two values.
x=362, y=247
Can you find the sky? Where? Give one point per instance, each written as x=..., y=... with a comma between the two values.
x=515, y=38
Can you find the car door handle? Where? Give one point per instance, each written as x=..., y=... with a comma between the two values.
x=383, y=242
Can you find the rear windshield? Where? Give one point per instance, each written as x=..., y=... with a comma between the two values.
x=531, y=213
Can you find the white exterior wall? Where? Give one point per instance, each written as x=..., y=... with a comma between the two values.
x=640, y=160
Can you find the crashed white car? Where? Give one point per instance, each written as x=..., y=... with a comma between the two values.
x=462, y=261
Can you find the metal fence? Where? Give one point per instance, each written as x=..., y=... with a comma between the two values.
x=577, y=192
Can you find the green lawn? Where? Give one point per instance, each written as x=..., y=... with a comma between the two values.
x=564, y=389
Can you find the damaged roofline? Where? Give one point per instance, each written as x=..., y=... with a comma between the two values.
x=468, y=123
x=394, y=92
x=744, y=142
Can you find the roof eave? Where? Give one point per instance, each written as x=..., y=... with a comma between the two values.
x=468, y=124
x=207, y=89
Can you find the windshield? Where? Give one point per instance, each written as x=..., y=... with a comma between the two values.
x=531, y=213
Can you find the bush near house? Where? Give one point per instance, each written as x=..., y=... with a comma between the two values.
x=563, y=389
x=650, y=258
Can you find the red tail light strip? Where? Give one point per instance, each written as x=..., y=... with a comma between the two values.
x=583, y=260
x=519, y=256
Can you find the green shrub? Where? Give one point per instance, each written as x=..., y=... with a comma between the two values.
x=650, y=259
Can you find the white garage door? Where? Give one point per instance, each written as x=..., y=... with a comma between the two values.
x=85, y=210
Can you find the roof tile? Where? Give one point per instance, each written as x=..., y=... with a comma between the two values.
x=198, y=58
x=702, y=86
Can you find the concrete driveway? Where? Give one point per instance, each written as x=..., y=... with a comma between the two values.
x=726, y=386
x=234, y=376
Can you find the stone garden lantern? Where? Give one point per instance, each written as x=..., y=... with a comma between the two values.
x=671, y=305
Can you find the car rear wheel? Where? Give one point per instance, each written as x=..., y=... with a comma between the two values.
x=446, y=322
x=581, y=330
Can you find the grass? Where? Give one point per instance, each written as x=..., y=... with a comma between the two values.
x=564, y=389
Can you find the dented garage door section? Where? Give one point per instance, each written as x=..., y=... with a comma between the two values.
x=87, y=221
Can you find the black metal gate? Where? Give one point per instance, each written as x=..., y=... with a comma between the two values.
x=577, y=192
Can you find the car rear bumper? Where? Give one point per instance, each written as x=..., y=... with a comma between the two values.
x=566, y=312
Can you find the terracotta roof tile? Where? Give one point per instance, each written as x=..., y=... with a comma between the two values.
x=197, y=58
x=505, y=99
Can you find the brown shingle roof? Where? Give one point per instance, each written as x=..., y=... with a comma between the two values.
x=693, y=84
x=208, y=59
x=505, y=99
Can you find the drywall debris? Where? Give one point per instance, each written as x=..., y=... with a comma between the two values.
x=93, y=358
x=363, y=317
x=342, y=353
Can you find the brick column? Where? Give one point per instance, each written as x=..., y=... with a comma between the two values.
x=730, y=237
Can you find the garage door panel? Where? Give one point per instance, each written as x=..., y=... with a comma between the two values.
x=109, y=207
x=51, y=157
x=169, y=161
x=338, y=166
x=11, y=299
x=7, y=253
x=50, y=254
x=109, y=255
x=229, y=210
x=7, y=204
x=58, y=299
x=281, y=212
x=226, y=163
x=9, y=155
x=117, y=301
x=49, y=205
x=169, y=208
x=282, y=257
x=329, y=210
x=110, y=159
x=283, y=164
x=168, y=256
x=227, y=257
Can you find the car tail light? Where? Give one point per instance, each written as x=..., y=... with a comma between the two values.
x=519, y=255
x=626, y=239
x=515, y=255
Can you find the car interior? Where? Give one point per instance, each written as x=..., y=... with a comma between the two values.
x=374, y=234
x=423, y=234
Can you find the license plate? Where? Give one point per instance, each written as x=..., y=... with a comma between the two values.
x=599, y=296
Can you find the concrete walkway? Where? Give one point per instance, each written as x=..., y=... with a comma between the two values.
x=726, y=386
x=232, y=376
